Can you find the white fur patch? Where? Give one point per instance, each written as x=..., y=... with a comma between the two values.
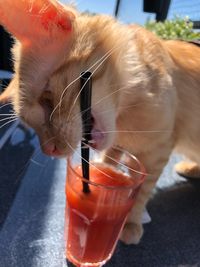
x=146, y=217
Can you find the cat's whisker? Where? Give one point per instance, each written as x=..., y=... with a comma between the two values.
x=108, y=110
x=26, y=165
x=61, y=98
x=6, y=82
x=76, y=99
x=78, y=115
x=91, y=142
x=37, y=163
x=104, y=59
x=8, y=114
x=84, y=146
x=109, y=53
x=101, y=60
x=71, y=83
x=79, y=155
x=7, y=104
x=44, y=8
x=31, y=2
x=8, y=118
x=99, y=101
x=118, y=162
x=35, y=154
x=12, y=120
x=38, y=150
x=137, y=131
x=46, y=142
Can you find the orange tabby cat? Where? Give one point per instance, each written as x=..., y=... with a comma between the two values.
x=146, y=92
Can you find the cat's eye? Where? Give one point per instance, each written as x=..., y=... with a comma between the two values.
x=46, y=101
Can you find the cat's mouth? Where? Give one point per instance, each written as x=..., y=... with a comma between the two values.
x=98, y=137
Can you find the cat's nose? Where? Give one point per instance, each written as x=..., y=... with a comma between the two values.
x=50, y=149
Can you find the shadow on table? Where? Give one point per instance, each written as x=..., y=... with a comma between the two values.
x=172, y=238
x=32, y=234
x=14, y=160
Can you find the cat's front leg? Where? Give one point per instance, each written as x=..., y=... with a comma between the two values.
x=133, y=229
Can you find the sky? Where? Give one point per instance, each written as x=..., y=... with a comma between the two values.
x=130, y=10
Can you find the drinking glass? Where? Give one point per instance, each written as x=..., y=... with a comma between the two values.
x=94, y=219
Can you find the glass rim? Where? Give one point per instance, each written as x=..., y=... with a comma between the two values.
x=139, y=179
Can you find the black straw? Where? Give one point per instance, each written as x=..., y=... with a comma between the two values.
x=85, y=105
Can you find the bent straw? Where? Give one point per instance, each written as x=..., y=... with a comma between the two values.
x=85, y=105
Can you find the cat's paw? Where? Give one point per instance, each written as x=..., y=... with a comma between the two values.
x=131, y=233
x=188, y=169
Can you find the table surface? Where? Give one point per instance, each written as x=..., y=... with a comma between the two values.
x=4, y=74
x=32, y=203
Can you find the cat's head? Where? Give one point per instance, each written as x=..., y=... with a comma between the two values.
x=54, y=45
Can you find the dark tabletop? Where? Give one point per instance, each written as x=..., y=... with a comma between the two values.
x=32, y=203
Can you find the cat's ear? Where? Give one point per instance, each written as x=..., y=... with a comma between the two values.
x=45, y=31
x=32, y=21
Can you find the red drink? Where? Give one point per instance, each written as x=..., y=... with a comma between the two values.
x=94, y=220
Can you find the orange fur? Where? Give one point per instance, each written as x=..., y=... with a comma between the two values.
x=145, y=94
x=7, y=95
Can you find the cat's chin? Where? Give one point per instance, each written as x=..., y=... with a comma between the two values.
x=58, y=153
x=52, y=151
